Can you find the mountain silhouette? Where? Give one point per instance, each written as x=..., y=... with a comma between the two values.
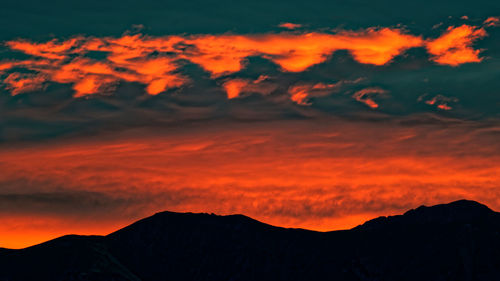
x=455, y=241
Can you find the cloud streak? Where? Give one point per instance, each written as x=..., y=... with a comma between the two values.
x=439, y=101
x=321, y=175
x=301, y=93
x=289, y=25
x=367, y=96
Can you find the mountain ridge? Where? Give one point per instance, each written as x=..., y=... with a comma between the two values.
x=454, y=241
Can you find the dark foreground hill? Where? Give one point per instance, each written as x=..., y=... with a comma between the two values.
x=456, y=241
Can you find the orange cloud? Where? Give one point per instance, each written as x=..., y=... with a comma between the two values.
x=49, y=50
x=289, y=25
x=6, y=65
x=366, y=96
x=378, y=47
x=154, y=61
x=492, y=21
x=301, y=93
x=455, y=46
x=90, y=77
x=235, y=87
x=19, y=83
x=440, y=101
x=128, y=60
x=297, y=52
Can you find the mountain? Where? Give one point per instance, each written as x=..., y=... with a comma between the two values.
x=455, y=241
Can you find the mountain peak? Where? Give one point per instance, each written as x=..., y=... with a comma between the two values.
x=460, y=211
x=166, y=221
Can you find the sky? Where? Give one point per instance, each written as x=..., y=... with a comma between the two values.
x=299, y=114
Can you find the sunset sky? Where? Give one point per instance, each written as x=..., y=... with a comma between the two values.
x=298, y=114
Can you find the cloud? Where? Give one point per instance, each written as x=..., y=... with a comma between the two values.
x=5, y=65
x=289, y=25
x=53, y=49
x=225, y=54
x=440, y=101
x=301, y=93
x=367, y=95
x=492, y=21
x=18, y=83
x=236, y=87
x=455, y=46
x=84, y=204
x=89, y=76
x=156, y=61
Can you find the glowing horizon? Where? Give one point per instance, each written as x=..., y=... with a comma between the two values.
x=290, y=174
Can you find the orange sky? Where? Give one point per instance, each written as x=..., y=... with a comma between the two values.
x=324, y=174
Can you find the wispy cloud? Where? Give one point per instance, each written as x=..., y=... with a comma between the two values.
x=492, y=21
x=236, y=87
x=289, y=25
x=301, y=93
x=321, y=175
x=439, y=101
x=367, y=96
